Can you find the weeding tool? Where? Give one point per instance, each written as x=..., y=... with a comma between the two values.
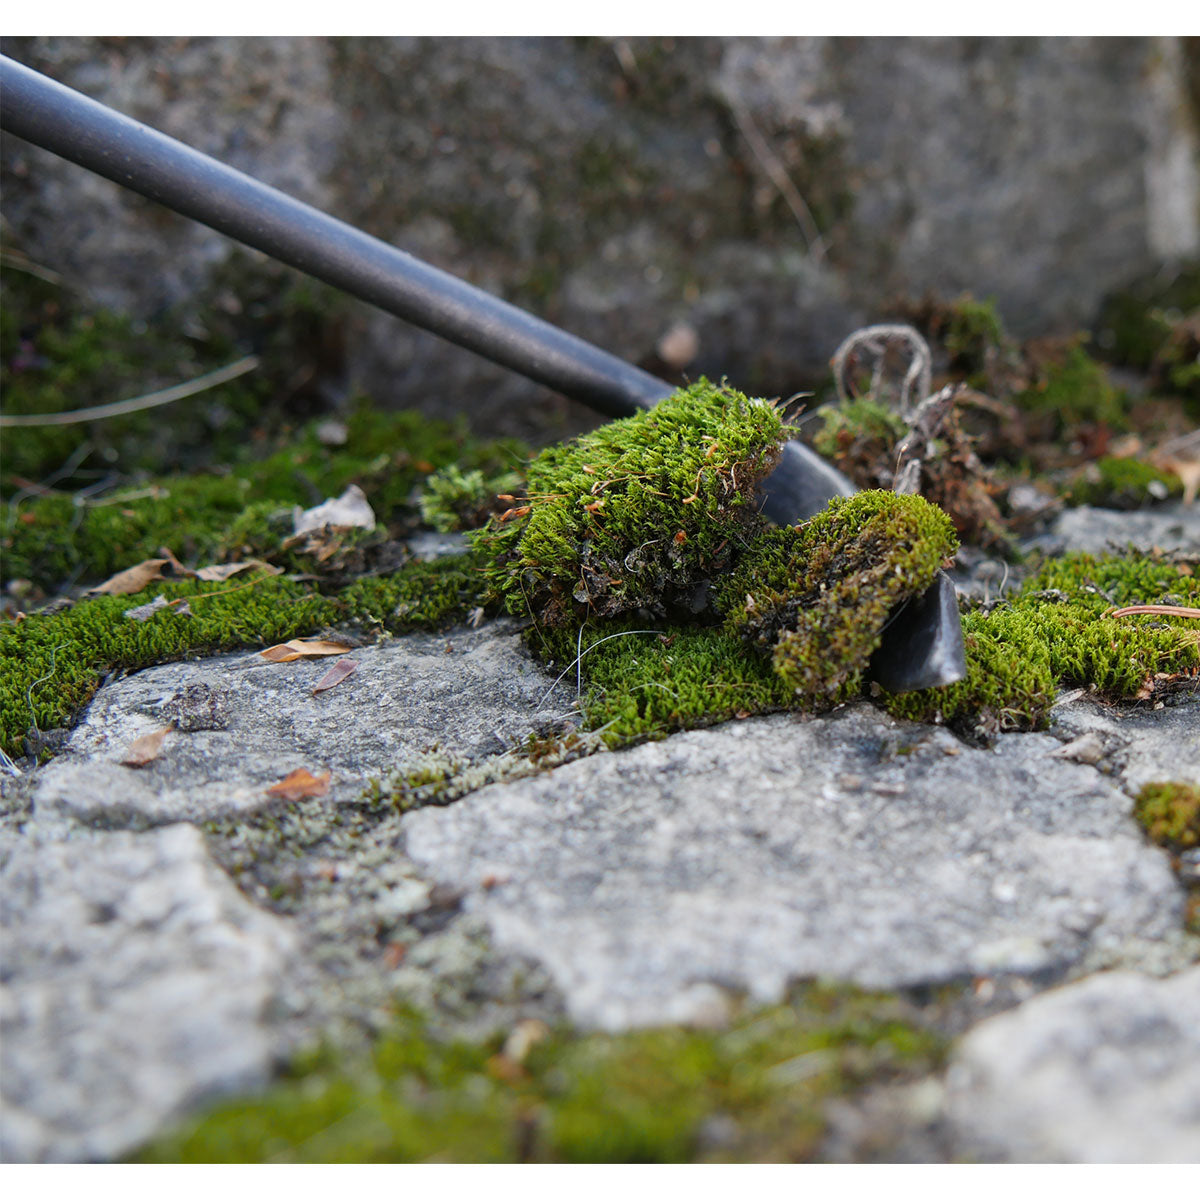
x=922, y=646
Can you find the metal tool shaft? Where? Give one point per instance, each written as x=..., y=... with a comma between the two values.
x=140, y=158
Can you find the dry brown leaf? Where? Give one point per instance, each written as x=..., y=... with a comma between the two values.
x=134, y=579
x=145, y=749
x=300, y=785
x=303, y=648
x=218, y=573
x=335, y=675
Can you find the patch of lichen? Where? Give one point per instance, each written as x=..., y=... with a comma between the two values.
x=1123, y=483
x=816, y=596
x=51, y=664
x=61, y=538
x=1170, y=814
x=637, y=513
x=1054, y=632
x=648, y=1096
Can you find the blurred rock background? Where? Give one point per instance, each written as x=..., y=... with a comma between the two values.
x=721, y=206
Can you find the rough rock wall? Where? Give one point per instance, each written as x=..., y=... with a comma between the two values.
x=768, y=193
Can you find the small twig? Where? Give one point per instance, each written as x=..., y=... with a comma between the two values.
x=166, y=396
x=1156, y=610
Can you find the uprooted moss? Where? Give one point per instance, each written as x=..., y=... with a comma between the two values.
x=638, y=513
x=754, y=1092
x=1054, y=632
x=816, y=597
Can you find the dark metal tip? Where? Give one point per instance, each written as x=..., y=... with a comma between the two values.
x=923, y=645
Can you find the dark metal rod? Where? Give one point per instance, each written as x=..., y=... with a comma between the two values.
x=132, y=154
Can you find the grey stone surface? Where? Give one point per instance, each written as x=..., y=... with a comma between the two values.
x=243, y=724
x=1105, y=1070
x=1106, y=531
x=136, y=980
x=852, y=846
x=621, y=186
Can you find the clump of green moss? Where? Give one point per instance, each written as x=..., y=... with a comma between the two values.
x=644, y=683
x=638, y=513
x=846, y=427
x=816, y=597
x=1122, y=483
x=972, y=336
x=453, y=499
x=424, y=595
x=648, y=1096
x=1075, y=388
x=1170, y=814
x=1054, y=632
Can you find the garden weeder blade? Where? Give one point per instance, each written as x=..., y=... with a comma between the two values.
x=922, y=646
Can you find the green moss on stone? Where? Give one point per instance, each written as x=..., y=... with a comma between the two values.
x=1122, y=483
x=649, y=1096
x=1170, y=814
x=1075, y=390
x=1054, y=632
x=55, y=539
x=637, y=513
x=51, y=664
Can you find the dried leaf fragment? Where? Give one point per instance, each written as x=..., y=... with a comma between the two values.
x=339, y=671
x=303, y=648
x=133, y=579
x=219, y=572
x=145, y=749
x=300, y=785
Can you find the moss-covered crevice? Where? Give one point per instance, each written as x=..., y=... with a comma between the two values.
x=753, y=1092
x=51, y=663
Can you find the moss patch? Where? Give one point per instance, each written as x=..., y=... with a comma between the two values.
x=52, y=663
x=52, y=539
x=1170, y=814
x=1124, y=483
x=1054, y=632
x=753, y=1092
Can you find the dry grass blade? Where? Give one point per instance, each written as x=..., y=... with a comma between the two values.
x=1156, y=610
